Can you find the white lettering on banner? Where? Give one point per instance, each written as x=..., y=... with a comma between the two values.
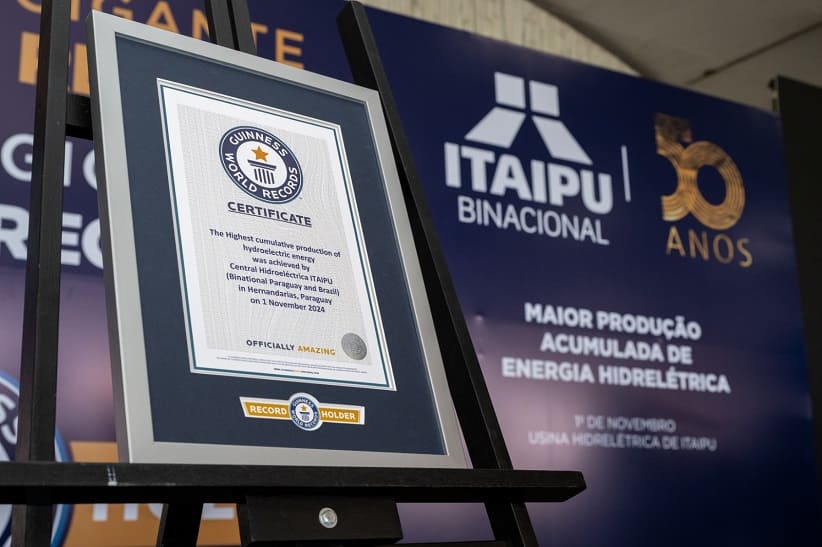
x=14, y=225
x=549, y=182
x=7, y=156
x=658, y=379
x=623, y=440
x=88, y=170
x=70, y=239
x=556, y=185
x=629, y=323
x=631, y=432
x=78, y=241
x=538, y=369
x=602, y=347
x=16, y=158
x=561, y=316
x=100, y=512
x=615, y=347
x=529, y=220
x=625, y=423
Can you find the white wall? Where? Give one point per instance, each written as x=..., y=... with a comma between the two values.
x=517, y=21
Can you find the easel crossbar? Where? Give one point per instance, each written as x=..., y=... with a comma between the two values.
x=51, y=483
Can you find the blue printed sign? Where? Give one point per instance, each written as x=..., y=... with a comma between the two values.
x=623, y=254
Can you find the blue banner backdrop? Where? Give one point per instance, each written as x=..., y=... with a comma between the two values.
x=622, y=251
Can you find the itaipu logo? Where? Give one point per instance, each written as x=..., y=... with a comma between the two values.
x=261, y=165
x=9, y=394
x=305, y=411
x=564, y=175
x=505, y=120
x=674, y=141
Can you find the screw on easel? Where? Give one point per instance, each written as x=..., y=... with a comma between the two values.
x=328, y=517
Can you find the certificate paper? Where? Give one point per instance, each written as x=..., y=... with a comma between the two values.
x=275, y=278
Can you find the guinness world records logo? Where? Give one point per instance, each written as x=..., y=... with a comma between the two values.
x=9, y=398
x=261, y=165
x=305, y=411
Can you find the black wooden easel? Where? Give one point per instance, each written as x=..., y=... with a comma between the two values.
x=364, y=499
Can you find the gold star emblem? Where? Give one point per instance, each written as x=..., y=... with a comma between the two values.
x=260, y=154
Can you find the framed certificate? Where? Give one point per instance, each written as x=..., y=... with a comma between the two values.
x=265, y=299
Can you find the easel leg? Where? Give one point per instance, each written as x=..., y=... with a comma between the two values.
x=31, y=526
x=480, y=426
x=179, y=525
x=306, y=520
